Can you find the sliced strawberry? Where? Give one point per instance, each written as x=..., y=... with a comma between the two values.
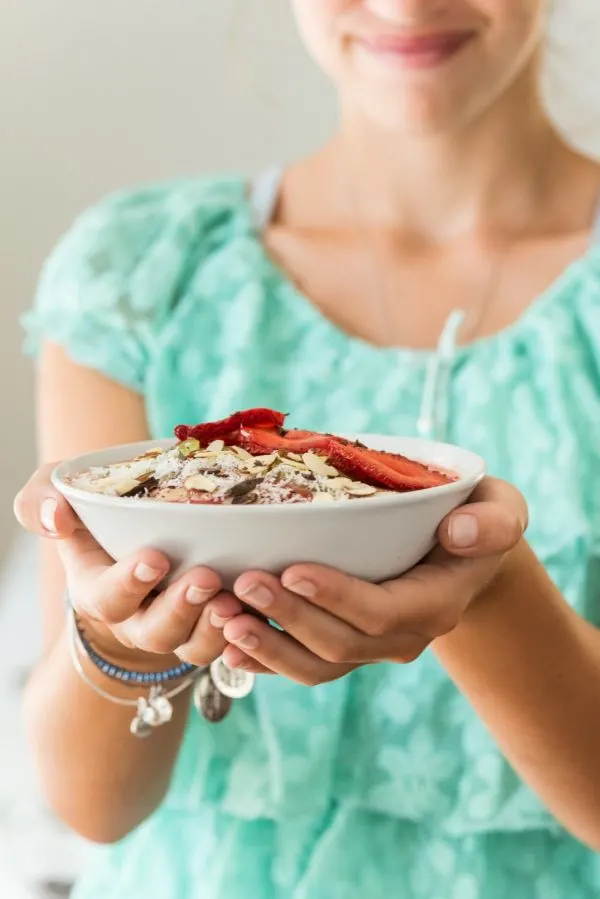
x=220, y=430
x=260, y=431
x=260, y=441
x=313, y=439
x=410, y=469
x=369, y=467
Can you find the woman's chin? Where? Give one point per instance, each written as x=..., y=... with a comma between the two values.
x=412, y=112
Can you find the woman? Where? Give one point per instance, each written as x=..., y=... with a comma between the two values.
x=471, y=769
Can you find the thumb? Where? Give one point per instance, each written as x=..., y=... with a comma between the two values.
x=491, y=524
x=42, y=510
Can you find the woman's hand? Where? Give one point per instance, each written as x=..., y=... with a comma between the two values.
x=111, y=598
x=334, y=623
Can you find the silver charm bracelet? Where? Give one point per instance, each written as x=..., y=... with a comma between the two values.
x=151, y=712
x=215, y=689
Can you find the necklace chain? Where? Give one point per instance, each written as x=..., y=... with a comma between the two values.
x=434, y=413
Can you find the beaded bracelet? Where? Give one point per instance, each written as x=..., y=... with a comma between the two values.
x=150, y=713
x=125, y=675
x=215, y=686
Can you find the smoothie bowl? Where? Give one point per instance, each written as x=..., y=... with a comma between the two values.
x=245, y=493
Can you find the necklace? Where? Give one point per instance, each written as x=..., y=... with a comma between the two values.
x=434, y=414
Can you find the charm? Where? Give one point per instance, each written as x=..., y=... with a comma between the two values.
x=208, y=700
x=155, y=710
x=151, y=713
x=140, y=727
x=232, y=682
x=163, y=708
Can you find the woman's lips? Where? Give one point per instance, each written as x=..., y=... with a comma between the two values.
x=418, y=51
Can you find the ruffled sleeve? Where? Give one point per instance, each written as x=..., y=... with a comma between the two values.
x=112, y=282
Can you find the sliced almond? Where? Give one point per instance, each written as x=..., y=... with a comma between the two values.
x=322, y=497
x=99, y=472
x=357, y=489
x=112, y=482
x=142, y=487
x=267, y=460
x=217, y=446
x=318, y=465
x=252, y=468
x=199, y=482
x=294, y=456
x=173, y=494
x=126, y=486
x=340, y=483
x=83, y=483
x=242, y=453
x=297, y=466
x=151, y=454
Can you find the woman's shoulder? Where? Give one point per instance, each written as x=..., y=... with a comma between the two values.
x=112, y=281
x=582, y=292
x=145, y=229
x=177, y=209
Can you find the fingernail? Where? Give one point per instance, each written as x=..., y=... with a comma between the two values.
x=196, y=596
x=146, y=574
x=259, y=595
x=218, y=622
x=243, y=664
x=302, y=588
x=249, y=641
x=48, y=515
x=463, y=531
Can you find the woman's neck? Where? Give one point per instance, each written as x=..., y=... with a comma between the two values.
x=490, y=175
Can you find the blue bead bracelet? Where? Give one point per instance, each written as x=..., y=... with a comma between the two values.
x=115, y=672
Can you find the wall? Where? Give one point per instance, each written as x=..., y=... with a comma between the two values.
x=100, y=94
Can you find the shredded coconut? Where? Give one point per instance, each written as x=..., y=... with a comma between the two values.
x=223, y=476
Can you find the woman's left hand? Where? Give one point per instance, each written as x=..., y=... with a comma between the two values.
x=334, y=623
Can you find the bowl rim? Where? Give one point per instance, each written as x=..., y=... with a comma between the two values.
x=385, y=500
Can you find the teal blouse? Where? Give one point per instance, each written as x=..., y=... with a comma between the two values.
x=385, y=783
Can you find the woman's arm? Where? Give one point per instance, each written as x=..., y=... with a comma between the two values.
x=97, y=778
x=531, y=668
x=526, y=661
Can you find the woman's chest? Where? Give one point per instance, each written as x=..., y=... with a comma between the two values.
x=393, y=292
x=526, y=401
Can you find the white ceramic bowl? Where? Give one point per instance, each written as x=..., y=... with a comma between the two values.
x=375, y=538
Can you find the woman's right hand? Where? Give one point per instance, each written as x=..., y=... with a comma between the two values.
x=111, y=597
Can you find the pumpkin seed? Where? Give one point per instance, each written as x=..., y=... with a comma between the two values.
x=188, y=447
x=248, y=499
x=244, y=487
